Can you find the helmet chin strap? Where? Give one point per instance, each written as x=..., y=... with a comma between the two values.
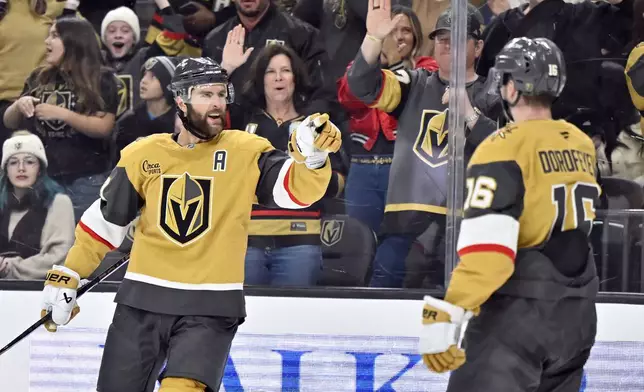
x=507, y=105
x=190, y=126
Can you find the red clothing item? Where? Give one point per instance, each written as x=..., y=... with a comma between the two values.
x=366, y=122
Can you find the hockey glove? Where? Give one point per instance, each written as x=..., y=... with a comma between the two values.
x=59, y=296
x=313, y=140
x=440, y=339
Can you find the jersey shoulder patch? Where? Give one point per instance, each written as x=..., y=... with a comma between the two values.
x=504, y=133
x=502, y=145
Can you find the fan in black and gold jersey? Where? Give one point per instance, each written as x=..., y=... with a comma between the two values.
x=182, y=296
x=526, y=270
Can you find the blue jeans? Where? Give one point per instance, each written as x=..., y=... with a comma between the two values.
x=289, y=266
x=389, y=264
x=366, y=196
x=84, y=191
x=366, y=193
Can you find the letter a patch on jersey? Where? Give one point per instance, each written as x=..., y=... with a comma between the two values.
x=185, y=213
x=431, y=143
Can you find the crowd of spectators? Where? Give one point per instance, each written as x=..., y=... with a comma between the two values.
x=80, y=80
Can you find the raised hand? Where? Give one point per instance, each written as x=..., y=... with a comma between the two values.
x=379, y=21
x=233, y=55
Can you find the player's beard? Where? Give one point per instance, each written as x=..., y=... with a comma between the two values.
x=202, y=124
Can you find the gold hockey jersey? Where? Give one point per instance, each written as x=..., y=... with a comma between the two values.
x=526, y=183
x=195, y=206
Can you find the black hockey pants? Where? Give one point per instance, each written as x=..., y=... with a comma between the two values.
x=139, y=342
x=527, y=345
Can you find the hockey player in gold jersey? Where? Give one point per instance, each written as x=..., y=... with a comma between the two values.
x=526, y=281
x=181, y=298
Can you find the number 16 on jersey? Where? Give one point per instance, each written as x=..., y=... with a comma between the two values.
x=581, y=207
x=574, y=203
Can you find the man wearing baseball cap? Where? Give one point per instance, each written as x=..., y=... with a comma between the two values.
x=441, y=35
x=474, y=23
x=418, y=99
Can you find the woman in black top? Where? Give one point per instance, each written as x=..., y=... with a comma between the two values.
x=70, y=103
x=284, y=245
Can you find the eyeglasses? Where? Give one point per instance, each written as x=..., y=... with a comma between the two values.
x=27, y=162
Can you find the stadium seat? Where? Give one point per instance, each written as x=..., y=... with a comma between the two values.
x=348, y=248
x=617, y=237
x=623, y=194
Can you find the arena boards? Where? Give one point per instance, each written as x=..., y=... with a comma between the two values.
x=291, y=344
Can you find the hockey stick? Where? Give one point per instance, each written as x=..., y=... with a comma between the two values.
x=87, y=287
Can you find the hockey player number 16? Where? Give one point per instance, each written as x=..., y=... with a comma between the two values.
x=480, y=194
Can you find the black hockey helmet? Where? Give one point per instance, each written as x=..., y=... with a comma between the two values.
x=536, y=66
x=197, y=71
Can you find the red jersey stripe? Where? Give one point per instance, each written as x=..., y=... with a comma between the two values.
x=488, y=248
x=96, y=236
x=302, y=214
x=288, y=191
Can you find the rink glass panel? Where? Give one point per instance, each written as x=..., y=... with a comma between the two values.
x=349, y=247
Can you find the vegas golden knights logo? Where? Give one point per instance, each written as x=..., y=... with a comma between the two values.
x=185, y=213
x=431, y=143
x=125, y=94
x=331, y=232
x=57, y=98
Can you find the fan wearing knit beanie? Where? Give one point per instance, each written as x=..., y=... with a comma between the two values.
x=155, y=113
x=120, y=32
x=120, y=35
x=36, y=217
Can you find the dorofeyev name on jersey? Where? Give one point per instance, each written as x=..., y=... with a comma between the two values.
x=567, y=161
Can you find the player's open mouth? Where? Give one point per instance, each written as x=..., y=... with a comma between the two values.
x=118, y=45
x=215, y=118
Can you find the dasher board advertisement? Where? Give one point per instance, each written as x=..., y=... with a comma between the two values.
x=295, y=344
